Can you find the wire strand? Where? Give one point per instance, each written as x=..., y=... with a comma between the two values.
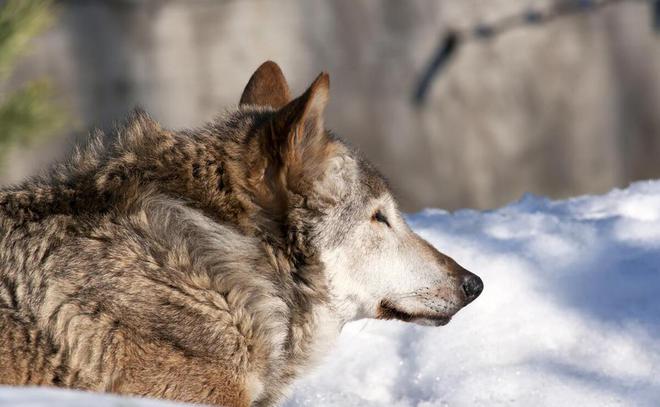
x=453, y=38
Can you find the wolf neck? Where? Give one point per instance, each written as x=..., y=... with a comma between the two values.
x=205, y=169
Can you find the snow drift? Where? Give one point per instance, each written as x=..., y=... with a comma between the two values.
x=570, y=315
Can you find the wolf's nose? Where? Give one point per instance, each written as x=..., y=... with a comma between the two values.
x=472, y=286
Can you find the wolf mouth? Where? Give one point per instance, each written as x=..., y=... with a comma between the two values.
x=387, y=310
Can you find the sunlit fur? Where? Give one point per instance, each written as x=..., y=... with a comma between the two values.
x=212, y=265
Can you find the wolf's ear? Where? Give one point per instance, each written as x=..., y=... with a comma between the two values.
x=298, y=135
x=266, y=87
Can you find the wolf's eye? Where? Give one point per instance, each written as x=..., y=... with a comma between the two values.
x=379, y=216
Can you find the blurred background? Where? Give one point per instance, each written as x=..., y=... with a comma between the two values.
x=560, y=107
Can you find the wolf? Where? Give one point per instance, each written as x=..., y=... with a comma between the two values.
x=212, y=265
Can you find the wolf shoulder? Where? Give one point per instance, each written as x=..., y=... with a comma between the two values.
x=130, y=282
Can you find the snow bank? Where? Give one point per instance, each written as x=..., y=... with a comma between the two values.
x=570, y=315
x=48, y=397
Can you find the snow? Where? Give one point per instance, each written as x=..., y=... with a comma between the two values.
x=570, y=315
x=50, y=397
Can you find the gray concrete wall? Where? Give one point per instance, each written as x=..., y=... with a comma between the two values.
x=567, y=108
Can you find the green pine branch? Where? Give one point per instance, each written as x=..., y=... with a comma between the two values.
x=20, y=21
x=27, y=114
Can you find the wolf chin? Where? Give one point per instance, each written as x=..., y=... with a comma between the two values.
x=210, y=265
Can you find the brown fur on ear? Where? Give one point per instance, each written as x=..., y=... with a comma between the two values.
x=267, y=87
x=291, y=150
x=298, y=135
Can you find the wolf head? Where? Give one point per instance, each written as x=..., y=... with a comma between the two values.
x=374, y=264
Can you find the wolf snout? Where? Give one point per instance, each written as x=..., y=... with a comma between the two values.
x=472, y=286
